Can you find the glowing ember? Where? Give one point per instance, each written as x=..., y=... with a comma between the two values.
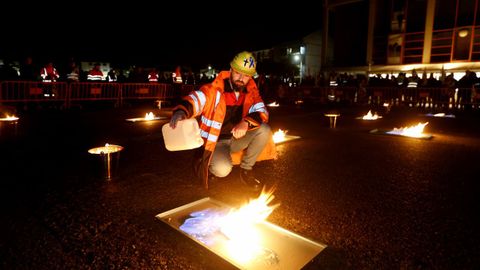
x=236, y=230
x=9, y=118
x=274, y=104
x=370, y=116
x=279, y=136
x=108, y=148
x=414, y=131
x=149, y=116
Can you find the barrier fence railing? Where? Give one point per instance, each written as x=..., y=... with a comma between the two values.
x=68, y=93
x=132, y=91
x=413, y=97
x=93, y=92
x=65, y=94
x=26, y=91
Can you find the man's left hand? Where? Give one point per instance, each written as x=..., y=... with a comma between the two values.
x=240, y=129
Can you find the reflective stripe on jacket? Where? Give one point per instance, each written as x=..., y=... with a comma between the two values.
x=209, y=103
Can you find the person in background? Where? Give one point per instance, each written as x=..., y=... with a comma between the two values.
x=112, y=75
x=233, y=118
x=73, y=73
x=27, y=70
x=95, y=74
x=153, y=76
x=49, y=75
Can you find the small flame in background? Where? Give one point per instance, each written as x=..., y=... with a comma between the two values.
x=279, y=136
x=236, y=228
x=149, y=116
x=274, y=104
x=441, y=115
x=370, y=116
x=414, y=131
x=10, y=118
x=444, y=115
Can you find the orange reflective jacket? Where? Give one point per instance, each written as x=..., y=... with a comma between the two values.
x=209, y=104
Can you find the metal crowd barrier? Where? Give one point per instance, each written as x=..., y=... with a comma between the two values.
x=68, y=93
x=413, y=97
x=139, y=91
x=89, y=91
x=40, y=92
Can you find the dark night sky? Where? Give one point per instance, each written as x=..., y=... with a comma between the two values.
x=162, y=34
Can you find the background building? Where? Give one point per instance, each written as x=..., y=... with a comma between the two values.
x=297, y=59
x=401, y=35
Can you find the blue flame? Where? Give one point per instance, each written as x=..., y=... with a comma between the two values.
x=204, y=225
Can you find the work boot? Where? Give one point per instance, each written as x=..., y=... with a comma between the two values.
x=247, y=177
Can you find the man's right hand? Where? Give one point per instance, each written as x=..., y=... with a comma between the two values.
x=177, y=116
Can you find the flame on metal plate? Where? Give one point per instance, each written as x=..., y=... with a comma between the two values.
x=413, y=131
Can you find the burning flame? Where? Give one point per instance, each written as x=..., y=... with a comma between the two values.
x=274, y=104
x=414, y=131
x=279, y=136
x=441, y=115
x=9, y=118
x=370, y=116
x=149, y=116
x=242, y=240
x=238, y=226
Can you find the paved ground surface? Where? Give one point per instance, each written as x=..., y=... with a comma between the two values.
x=378, y=202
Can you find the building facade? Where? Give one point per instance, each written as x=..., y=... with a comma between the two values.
x=410, y=34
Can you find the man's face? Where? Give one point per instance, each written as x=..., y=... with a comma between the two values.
x=239, y=80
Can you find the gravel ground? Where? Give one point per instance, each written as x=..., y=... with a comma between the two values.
x=377, y=201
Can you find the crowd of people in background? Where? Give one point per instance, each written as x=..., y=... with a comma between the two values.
x=72, y=72
x=269, y=85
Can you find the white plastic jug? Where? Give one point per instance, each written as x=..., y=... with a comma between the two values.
x=185, y=136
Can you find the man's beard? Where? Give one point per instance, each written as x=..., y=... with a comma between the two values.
x=236, y=87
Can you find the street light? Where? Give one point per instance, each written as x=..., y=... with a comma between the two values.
x=298, y=58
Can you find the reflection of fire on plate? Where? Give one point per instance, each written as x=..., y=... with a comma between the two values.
x=108, y=153
x=107, y=149
x=281, y=136
x=369, y=116
x=242, y=235
x=413, y=131
x=440, y=115
x=148, y=117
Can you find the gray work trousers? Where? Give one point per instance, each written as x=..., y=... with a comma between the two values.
x=254, y=141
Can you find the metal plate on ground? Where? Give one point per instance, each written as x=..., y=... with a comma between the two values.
x=143, y=119
x=386, y=132
x=277, y=248
x=287, y=138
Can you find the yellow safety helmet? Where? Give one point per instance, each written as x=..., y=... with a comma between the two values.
x=244, y=63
